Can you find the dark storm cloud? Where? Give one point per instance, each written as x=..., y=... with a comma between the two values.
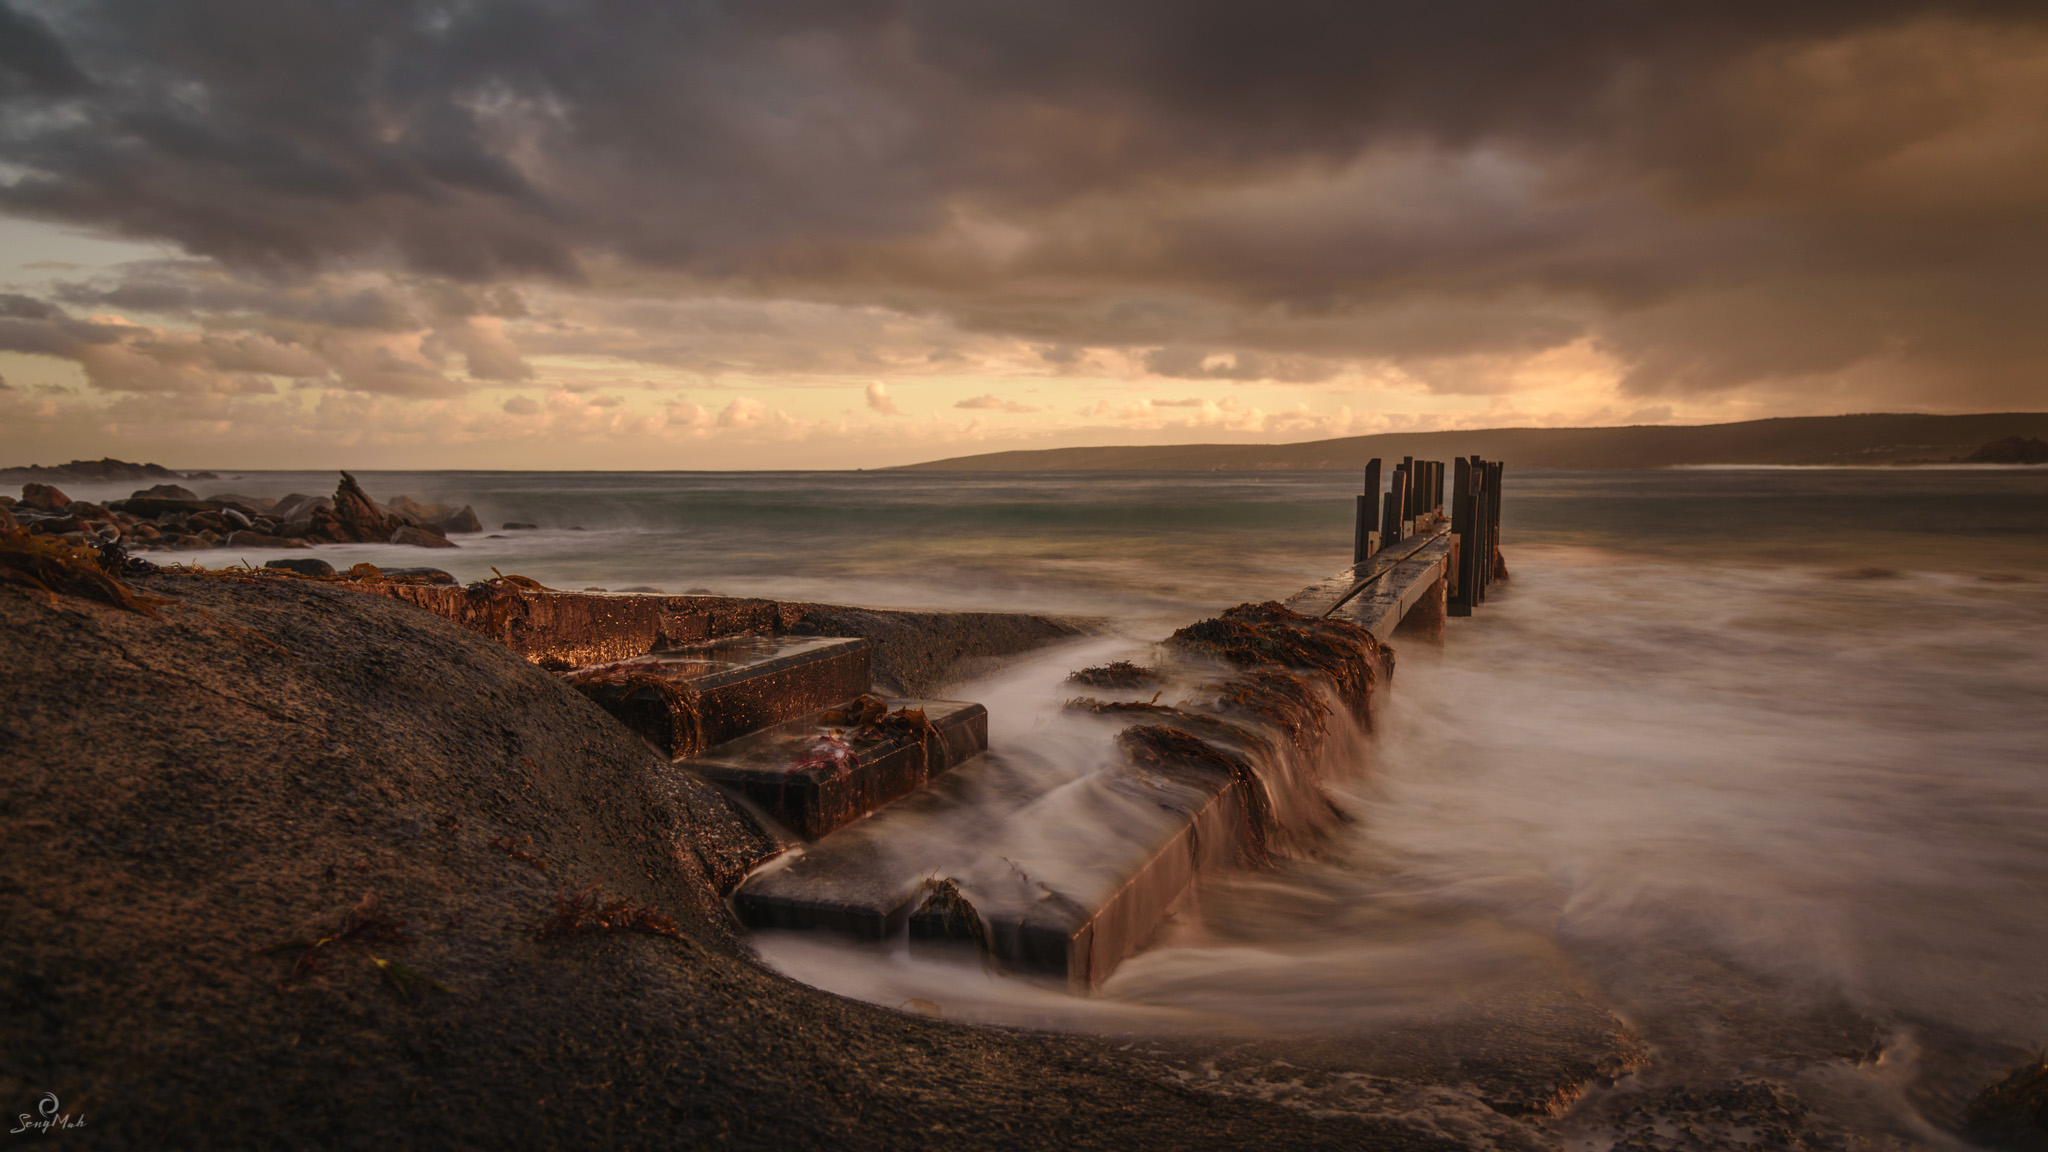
x=1718, y=193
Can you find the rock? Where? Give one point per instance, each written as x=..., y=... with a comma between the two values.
x=146, y=532
x=2011, y=450
x=258, y=503
x=43, y=497
x=167, y=492
x=419, y=575
x=419, y=538
x=356, y=515
x=249, y=538
x=7, y=522
x=463, y=521
x=516, y=526
x=298, y=507
x=156, y=507
x=304, y=567
x=424, y=513
x=239, y=520
x=85, y=510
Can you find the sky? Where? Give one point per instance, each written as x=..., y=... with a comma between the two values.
x=855, y=233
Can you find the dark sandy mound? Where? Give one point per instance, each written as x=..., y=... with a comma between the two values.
x=218, y=820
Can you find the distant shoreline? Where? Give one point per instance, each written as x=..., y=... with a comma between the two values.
x=1876, y=440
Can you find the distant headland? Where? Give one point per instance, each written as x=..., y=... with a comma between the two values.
x=1869, y=439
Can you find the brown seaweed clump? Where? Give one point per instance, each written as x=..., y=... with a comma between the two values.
x=2012, y=1113
x=1116, y=674
x=682, y=711
x=1282, y=699
x=54, y=568
x=1271, y=635
x=589, y=913
x=1159, y=747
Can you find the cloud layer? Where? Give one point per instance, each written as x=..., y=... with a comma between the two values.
x=1829, y=205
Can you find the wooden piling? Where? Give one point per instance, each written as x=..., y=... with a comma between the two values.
x=1460, y=602
x=1368, y=514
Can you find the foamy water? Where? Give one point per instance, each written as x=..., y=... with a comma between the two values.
x=1753, y=761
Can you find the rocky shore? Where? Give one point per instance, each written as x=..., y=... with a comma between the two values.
x=170, y=517
x=286, y=863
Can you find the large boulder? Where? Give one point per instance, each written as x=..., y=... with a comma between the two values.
x=419, y=537
x=463, y=521
x=356, y=515
x=167, y=492
x=43, y=497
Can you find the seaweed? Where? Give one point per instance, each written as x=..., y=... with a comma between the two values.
x=2012, y=1113
x=589, y=913
x=685, y=705
x=859, y=712
x=54, y=568
x=1206, y=727
x=1158, y=747
x=409, y=984
x=510, y=847
x=500, y=580
x=362, y=925
x=1271, y=635
x=1116, y=674
x=826, y=752
x=1286, y=701
x=947, y=914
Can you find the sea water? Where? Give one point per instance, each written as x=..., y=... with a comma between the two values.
x=1754, y=760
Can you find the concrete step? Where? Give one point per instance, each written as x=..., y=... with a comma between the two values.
x=689, y=699
x=1063, y=883
x=828, y=769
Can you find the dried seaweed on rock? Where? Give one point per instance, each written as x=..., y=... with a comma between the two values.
x=1116, y=674
x=685, y=709
x=364, y=924
x=54, y=568
x=947, y=914
x=589, y=913
x=859, y=712
x=825, y=753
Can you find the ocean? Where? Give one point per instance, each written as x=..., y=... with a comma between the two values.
x=1755, y=760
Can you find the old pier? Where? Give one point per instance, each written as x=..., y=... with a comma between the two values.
x=887, y=817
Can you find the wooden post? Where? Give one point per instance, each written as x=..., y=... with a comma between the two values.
x=1493, y=512
x=1390, y=510
x=1480, y=543
x=1368, y=514
x=1460, y=603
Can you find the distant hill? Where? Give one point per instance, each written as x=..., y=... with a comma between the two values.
x=1877, y=438
x=108, y=469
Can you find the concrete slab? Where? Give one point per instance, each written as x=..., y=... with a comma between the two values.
x=815, y=776
x=695, y=697
x=1064, y=882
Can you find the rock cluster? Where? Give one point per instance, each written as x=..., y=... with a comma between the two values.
x=96, y=471
x=168, y=516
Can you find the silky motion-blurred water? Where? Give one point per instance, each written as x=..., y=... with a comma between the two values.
x=1752, y=760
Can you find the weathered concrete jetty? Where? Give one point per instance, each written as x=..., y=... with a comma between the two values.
x=888, y=817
